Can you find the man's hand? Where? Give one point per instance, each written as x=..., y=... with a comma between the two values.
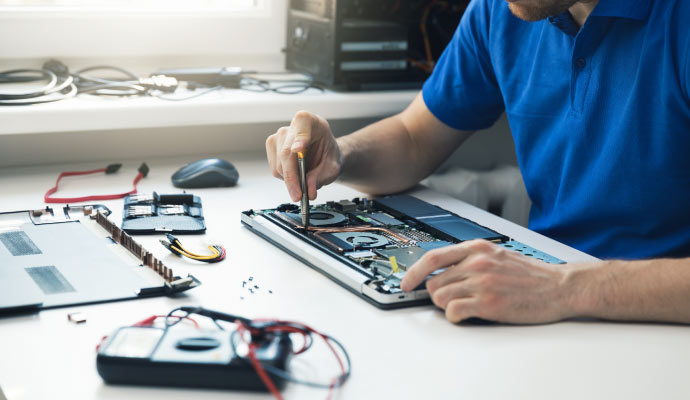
x=487, y=281
x=311, y=134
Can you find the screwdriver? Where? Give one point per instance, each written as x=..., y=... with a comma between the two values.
x=305, y=192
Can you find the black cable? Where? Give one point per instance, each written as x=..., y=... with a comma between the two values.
x=131, y=88
x=262, y=327
x=285, y=86
x=123, y=71
x=9, y=76
x=55, y=90
x=289, y=377
x=128, y=86
x=277, y=372
x=45, y=75
x=61, y=84
x=273, y=73
x=192, y=96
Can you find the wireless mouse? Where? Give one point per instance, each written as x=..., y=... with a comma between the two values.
x=206, y=173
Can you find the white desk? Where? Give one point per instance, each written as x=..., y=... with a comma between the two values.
x=403, y=354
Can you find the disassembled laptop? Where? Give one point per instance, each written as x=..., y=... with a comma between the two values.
x=368, y=245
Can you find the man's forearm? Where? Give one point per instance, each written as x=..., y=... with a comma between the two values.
x=648, y=290
x=394, y=154
x=381, y=158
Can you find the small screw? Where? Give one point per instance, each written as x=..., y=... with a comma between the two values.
x=256, y=286
x=270, y=291
x=244, y=283
x=251, y=291
x=251, y=278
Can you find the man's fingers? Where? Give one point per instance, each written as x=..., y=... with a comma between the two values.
x=445, y=294
x=296, y=139
x=301, y=125
x=274, y=145
x=461, y=309
x=432, y=261
x=288, y=165
x=447, y=277
x=272, y=157
x=283, y=146
x=312, y=182
x=292, y=180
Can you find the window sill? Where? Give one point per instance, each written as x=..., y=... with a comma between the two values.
x=217, y=108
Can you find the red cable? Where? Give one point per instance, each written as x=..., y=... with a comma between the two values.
x=241, y=329
x=280, y=326
x=285, y=326
x=223, y=253
x=290, y=329
x=149, y=321
x=143, y=171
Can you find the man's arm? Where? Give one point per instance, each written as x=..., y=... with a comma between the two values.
x=487, y=281
x=396, y=153
x=385, y=157
x=646, y=290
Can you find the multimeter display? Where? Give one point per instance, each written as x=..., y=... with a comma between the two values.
x=134, y=342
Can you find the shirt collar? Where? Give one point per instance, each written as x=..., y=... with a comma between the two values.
x=633, y=9
x=565, y=23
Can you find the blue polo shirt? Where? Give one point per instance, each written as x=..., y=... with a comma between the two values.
x=600, y=117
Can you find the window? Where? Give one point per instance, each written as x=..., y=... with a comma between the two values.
x=133, y=6
x=97, y=30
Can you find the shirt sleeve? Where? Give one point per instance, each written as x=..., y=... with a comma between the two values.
x=462, y=92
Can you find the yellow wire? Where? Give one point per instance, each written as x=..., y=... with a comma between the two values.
x=216, y=253
x=212, y=248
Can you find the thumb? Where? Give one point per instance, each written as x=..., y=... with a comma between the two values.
x=301, y=124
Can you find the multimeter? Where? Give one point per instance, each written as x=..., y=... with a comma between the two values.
x=146, y=355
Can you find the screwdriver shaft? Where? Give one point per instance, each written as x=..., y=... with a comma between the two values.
x=305, y=192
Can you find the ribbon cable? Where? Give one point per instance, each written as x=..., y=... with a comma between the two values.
x=110, y=169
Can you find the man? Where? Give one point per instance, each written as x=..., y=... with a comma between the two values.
x=597, y=94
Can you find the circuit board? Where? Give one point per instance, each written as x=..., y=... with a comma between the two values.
x=383, y=238
x=168, y=213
